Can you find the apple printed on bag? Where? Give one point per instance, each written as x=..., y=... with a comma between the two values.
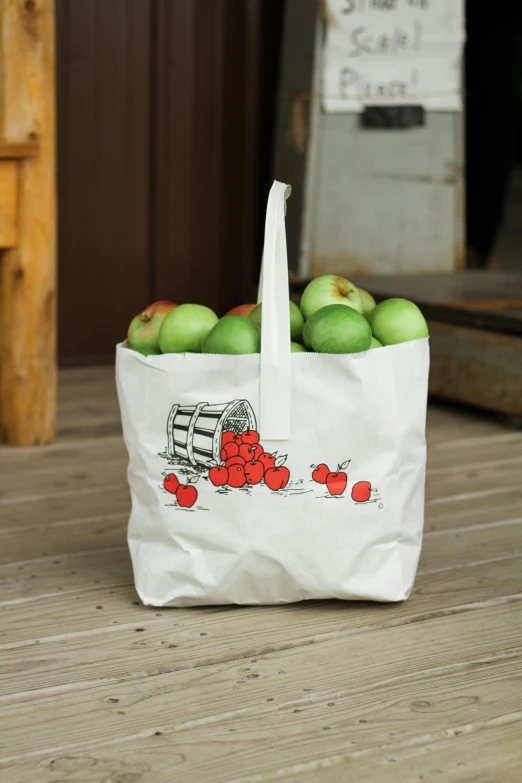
x=268, y=460
x=250, y=450
x=254, y=471
x=320, y=472
x=230, y=460
x=361, y=491
x=218, y=475
x=170, y=482
x=227, y=437
x=230, y=449
x=277, y=478
x=186, y=495
x=336, y=482
x=236, y=476
x=235, y=461
x=250, y=436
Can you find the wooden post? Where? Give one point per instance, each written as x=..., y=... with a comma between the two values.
x=8, y=200
x=28, y=269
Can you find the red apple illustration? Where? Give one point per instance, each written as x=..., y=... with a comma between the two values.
x=237, y=460
x=336, y=482
x=268, y=460
x=218, y=475
x=277, y=477
x=230, y=449
x=361, y=491
x=236, y=476
x=227, y=437
x=171, y=483
x=186, y=495
x=238, y=439
x=250, y=451
x=320, y=472
x=250, y=436
x=254, y=471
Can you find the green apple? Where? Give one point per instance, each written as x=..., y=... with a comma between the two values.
x=297, y=348
x=185, y=328
x=368, y=302
x=337, y=329
x=397, y=321
x=296, y=320
x=143, y=332
x=329, y=290
x=375, y=343
x=234, y=334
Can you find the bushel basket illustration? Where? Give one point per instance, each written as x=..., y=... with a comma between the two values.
x=195, y=432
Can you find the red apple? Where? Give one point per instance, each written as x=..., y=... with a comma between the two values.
x=268, y=460
x=256, y=449
x=250, y=451
x=361, y=491
x=336, y=483
x=186, y=495
x=250, y=436
x=230, y=449
x=237, y=460
x=320, y=473
x=277, y=478
x=171, y=483
x=144, y=328
x=243, y=309
x=227, y=437
x=236, y=476
x=218, y=475
x=254, y=471
x=238, y=439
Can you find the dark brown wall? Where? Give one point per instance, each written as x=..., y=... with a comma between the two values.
x=163, y=107
x=104, y=151
x=201, y=185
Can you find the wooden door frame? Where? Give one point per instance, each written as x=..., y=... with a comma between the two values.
x=28, y=365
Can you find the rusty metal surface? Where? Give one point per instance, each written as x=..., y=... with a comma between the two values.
x=476, y=367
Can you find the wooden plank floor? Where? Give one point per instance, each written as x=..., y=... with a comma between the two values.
x=94, y=687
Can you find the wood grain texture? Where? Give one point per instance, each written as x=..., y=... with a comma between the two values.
x=94, y=686
x=60, y=455
x=372, y=754
x=18, y=150
x=484, y=754
x=86, y=659
x=28, y=271
x=33, y=622
x=8, y=204
x=365, y=705
x=105, y=531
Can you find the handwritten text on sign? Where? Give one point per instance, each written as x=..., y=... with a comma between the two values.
x=390, y=52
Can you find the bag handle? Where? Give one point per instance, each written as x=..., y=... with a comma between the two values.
x=275, y=372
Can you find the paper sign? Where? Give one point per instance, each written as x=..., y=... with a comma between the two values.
x=393, y=52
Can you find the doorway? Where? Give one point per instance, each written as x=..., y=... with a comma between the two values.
x=165, y=118
x=493, y=88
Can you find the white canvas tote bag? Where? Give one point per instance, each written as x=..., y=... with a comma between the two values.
x=336, y=511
